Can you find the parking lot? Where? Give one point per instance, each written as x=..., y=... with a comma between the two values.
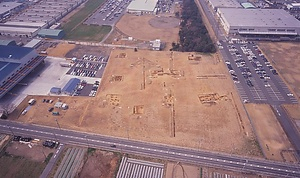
x=109, y=13
x=89, y=66
x=255, y=78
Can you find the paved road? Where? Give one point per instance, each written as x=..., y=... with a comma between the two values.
x=185, y=155
x=52, y=161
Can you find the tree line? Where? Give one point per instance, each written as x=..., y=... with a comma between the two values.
x=193, y=35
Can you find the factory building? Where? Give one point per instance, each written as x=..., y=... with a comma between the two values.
x=258, y=22
x=142, y=7
x=51, y=33
x=8, y=8
x=15, y=63
x=215, y=4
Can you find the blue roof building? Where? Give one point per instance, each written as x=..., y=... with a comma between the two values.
x=15, y=63
x=70, y=87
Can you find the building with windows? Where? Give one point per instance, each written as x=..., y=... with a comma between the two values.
x=258, y=22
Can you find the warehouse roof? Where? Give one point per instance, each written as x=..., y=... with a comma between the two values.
x=71, y=85
x=7, y=6
x=270, y=18
x=6, y=68
x=49, y=32
x=13, y=52
x=8, y=42
x=25, y=24
x=33, y=43
x=17, y=29
x=142, y=5
x=225, y=3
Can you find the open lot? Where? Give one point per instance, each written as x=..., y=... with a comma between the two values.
x=149, y=27
x=274, y=143
x=20, y=161
x=101, y=164
x=174, y=100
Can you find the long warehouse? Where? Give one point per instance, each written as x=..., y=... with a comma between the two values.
x=258, y=22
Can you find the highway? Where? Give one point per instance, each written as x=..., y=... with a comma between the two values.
x=167, y=152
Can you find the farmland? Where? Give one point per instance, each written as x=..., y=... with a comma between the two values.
x=18, y=160
x=76, y=30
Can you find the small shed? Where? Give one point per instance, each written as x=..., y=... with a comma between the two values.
x=248, y=5
x=34, y=43
x=55, y=90
x=156, y=45
x=70, y=87
x=51, y=33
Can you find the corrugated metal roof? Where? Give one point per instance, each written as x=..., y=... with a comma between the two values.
x=17, y=29
x=26, y=24
x=142, y=5
x=6, y=68
x=49, y=32
x=32, y=43
x=70, y=87
x=13, y=52
x=7, y=42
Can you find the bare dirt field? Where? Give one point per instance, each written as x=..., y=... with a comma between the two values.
x=175, y=170
x=101, y=164
x=149, y=27
x=60, y=50
x=147, y=96
x=20, y=161
x=274, y=143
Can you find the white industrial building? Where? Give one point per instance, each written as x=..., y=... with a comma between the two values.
x=258, y=22
x=215, y=4
x=142, y=7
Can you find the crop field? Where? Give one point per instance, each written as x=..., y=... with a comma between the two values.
x=71, y=163
x=75, y=30
x=18, y=160
x=89, y=32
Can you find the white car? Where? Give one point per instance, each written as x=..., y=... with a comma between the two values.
x=290, y=94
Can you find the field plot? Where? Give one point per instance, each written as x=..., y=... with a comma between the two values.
x=76, y=30
x=148, y=27
x=182, y=170
x=60, y=50
x=18, y=160
x=275, y=144
x=160, y=97
x=101, y=164
x=138, y=168
x=71, y=163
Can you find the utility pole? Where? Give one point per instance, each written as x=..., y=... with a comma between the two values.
x=57, y=124
x=11, y=130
